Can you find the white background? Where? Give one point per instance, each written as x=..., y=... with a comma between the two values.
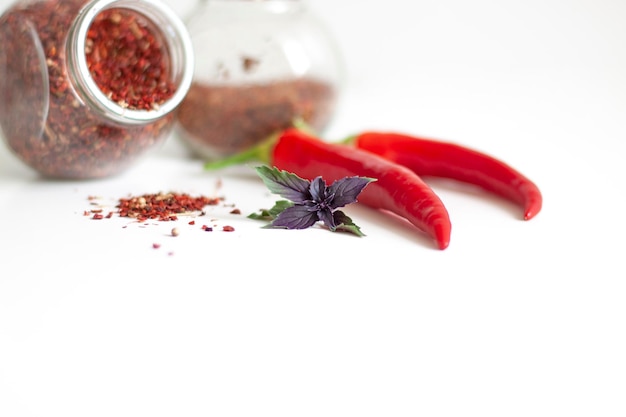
x=513, y=319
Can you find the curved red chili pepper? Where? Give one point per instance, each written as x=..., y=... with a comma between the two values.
x=428, y=157
x=397, y=189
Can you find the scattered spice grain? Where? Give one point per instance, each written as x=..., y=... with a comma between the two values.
x=163, y=206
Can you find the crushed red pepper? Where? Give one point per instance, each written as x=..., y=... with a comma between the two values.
x=126, y=60
x=163, y=206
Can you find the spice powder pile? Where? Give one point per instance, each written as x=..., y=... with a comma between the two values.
x=163, y=206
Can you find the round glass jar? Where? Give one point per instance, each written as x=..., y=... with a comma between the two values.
x=259, y=65
x=89, y=86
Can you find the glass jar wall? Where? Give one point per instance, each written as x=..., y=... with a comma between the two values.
x=89, y=86
x=260, y=65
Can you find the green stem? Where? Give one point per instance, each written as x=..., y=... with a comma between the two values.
x=348, y=140
x=261, y=152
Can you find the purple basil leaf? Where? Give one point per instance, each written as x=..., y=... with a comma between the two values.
x=310, y=201
x=347, y=189
x=327, y=217
x=285, y=184
x=318, y=189
x=296, y=217
x=345, y=224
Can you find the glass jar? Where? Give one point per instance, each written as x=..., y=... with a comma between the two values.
x=259, y=66
x=88, y=87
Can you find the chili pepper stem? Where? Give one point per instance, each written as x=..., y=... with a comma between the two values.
x=349, y=140
x=260, y=153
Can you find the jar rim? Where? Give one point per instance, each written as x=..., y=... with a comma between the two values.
x=180, y=49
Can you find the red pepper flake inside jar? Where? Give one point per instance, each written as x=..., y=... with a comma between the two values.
x=127, y=60
x=219, y=120
x=89, y=86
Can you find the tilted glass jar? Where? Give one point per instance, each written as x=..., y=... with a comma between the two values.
x=259, y=66
x=89, y=86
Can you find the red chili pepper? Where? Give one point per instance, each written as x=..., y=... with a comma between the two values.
x=397, y=189
x=428, y=157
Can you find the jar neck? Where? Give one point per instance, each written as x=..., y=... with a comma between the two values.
x=179, y=52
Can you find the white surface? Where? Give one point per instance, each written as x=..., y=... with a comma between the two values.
x=513, y=319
